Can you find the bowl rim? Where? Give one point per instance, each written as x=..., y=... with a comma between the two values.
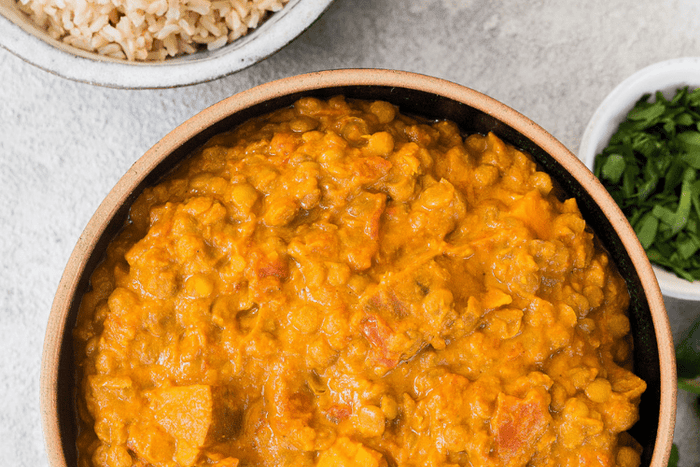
x=666, y=76
x=26, y=41
x=333, y=79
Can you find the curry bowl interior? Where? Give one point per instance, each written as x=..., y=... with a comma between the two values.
x=410, y=101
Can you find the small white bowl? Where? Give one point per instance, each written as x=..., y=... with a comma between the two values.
x=666, y=77
x=22, y=38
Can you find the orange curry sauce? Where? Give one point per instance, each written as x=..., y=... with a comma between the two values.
x=336, y=284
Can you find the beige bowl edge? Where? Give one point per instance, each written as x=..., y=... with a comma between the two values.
x=56, y=326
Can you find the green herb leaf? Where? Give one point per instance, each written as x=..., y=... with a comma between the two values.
x=694, y=97
x=688, y=353
x=689, y=385
x=681, y=215
x=629, y=180
x=690, y=140
x=684, y=119
x=695, y=196
x=647, y=230
x=687, y=246
x=674, y=457
x=613, y=168
x=647, y=113
x=692, y=159
x=674, y=175
x=664, y=214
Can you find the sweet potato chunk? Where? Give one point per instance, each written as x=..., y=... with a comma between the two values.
x=347, y=453
x=271, y=264
x=407, y=311
x=196, y=416
x=359, y=231
x=535, y=212
x=110, y=396
x=380, y=335
x=517, y=425
x=151, y=443
x=290, y=409
x=367, y=170
x=227, y=462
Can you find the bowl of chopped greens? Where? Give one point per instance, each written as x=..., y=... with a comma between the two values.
x=643, y=143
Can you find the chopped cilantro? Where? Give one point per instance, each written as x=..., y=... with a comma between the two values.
x=673, y=458
x=651, y=169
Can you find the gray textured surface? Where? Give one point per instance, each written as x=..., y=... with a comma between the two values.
x=63, y=145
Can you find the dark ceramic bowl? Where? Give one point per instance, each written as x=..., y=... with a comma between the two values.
x=414, y=94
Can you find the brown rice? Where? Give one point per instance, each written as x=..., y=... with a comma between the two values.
x=148, y=29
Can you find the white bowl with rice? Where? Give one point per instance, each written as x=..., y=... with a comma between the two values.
x=151, y=43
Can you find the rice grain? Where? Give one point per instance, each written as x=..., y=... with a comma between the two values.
x=148, y=30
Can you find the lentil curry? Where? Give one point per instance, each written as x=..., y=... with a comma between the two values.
x=337, y=284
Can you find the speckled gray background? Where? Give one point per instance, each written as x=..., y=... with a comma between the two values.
x=63, y=145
